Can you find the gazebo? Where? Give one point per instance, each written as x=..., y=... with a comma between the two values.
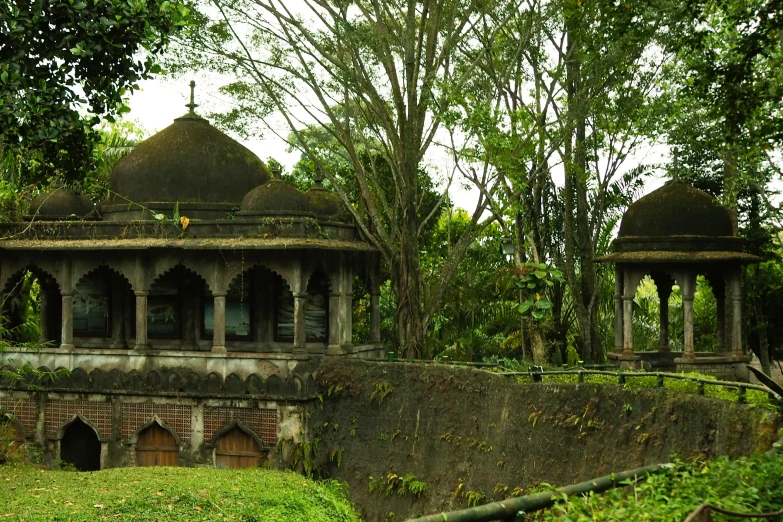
x=673, y=235
x=188, y=312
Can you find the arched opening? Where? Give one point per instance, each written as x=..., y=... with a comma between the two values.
x=646, y=315
x=80, y=447
x=31, y=308
x=360, y=310
x=157, y=446
x=317, y=308
x=173, y=305
x=284, y=311
x=705, y=315
x=103, y=307
x=237, y=449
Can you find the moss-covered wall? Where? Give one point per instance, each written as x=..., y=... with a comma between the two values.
x=470, y=435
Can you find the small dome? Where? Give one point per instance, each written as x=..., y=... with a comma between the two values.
x=275, y=197
x=189, y=162
x=676, y=209
x=61, y=204
x=326, y=204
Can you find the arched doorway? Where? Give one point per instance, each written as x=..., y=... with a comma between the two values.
x=80, y=447
x=157, y=446
x=237, y=449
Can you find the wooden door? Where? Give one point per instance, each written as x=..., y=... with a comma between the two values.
x=157, y=447
x=236, y=450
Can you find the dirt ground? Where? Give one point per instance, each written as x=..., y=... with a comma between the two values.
x=470, y=436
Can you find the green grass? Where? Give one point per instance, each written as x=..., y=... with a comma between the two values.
x=747, y=485
x=168, y=494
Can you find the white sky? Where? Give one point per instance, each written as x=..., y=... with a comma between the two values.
x=162, y=100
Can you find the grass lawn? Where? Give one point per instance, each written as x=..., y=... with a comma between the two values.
x=165, y=494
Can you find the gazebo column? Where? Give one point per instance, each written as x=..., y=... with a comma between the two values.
x=735, y=342
x=333, y=348
x=219, y=323
x=141, y=320
x=663, y=296
x=628, y=294
x=300, y=332
x=67, y=321
x=687, y=288
x=117, y=313
x=618, y=309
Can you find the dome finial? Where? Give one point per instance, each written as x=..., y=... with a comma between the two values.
x=277, y=170
x=318, y=179
x=192, y=105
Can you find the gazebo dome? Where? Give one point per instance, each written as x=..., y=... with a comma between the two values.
x=189, y=162
x=61, y=204
x=676, y=209
x=274, y=197
x=326, y=204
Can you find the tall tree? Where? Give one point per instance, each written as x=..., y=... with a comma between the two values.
x=390, y=65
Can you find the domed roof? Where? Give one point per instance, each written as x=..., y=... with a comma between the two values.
x=676, y=209
x=61, y=204
x=326, y=204
x=189, y=161
x=274, y=197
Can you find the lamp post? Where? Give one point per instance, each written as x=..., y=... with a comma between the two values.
x=507, y=248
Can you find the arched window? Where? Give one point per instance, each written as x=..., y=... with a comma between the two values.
x=91, y=305
x=317, y=308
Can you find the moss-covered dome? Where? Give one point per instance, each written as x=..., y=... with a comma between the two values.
x=275, y=197
x=326, y=204
x=61, y=204
x=676, y=209
x=188, y=162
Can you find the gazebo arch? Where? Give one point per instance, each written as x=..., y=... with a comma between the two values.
x=675, y=234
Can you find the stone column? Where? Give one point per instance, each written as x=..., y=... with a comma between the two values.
x=67, y=321
x=333, y=348
x=618, y=309
x=375, y=318
x=117, y=313
x=663, y=296
x=629, y=291
x=735, y=284
x=219, y=324
x=687, y=288
x=141, y=321
x=300, y=332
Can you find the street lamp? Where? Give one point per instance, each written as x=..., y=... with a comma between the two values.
x=507, y=248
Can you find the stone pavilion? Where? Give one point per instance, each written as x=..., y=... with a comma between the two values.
x=187, y=313
x=673, y=235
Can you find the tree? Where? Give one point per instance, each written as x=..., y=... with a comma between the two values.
x=390, y=66
x=63, y=59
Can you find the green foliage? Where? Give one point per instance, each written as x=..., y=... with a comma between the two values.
x=382, y=389
x=60, y=60
x=170, y=494
x=533, y=281
x=401, y=485
x=748, y=484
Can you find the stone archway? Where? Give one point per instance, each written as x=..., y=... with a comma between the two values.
x=237, y=449
x=80, y=446
x=157, y=446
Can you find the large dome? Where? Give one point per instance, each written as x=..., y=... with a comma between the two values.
x=189, y=162
x=676, y=209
